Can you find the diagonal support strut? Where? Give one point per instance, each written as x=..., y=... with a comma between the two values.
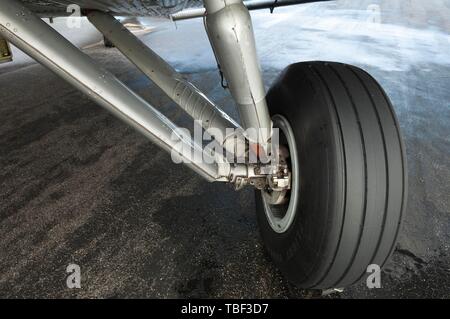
x=29, y=33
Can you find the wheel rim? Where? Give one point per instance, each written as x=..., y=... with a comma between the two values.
x=280, y=217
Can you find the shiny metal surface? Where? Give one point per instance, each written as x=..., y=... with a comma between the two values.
x=174, y=84
x=230, y=31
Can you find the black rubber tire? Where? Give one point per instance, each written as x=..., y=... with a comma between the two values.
x=353, y=178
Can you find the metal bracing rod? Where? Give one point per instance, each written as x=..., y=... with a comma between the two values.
x=230, y=30
x=33, y=36
x=251, y=5
x=181, y=91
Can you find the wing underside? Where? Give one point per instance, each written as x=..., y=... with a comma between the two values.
x=54, y=8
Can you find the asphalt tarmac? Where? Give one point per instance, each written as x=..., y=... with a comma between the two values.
x=78, y=186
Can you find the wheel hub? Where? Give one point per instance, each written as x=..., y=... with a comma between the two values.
x=280, y=198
